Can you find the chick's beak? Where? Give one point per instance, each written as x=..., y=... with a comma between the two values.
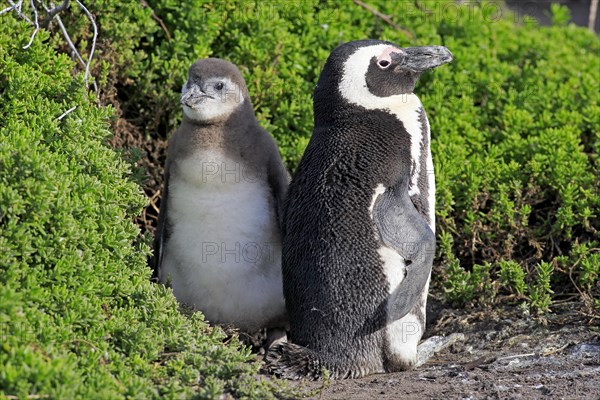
x=193, y=96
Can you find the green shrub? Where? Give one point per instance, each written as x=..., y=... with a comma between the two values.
x=512, y=276
x=79, y=317
x=516, y=123
x=540, y=291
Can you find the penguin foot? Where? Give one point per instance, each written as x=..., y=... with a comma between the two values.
x=290, y=361
x=435, y=344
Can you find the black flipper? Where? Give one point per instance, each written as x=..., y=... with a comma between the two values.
x=162, y=232
x=279, y=180
x=403, y=229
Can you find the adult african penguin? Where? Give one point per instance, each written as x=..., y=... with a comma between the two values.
x=358, y=220
x=218, y=241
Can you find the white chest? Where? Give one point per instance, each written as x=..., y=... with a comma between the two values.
x=211, y=170
x=212, y=198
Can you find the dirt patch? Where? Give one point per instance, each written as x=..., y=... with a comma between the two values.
x=506, y=354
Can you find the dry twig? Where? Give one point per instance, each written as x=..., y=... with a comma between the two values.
x=87, y=65
x=36, y=23
x=554, y=351
x=51, y=13
x=69, y=41
x=7, y=9
x=516, y=356
x=478, y=362
x=157, y=19
x=17, y=7
x=385, y=18
x=66, y=113
x=43, y=21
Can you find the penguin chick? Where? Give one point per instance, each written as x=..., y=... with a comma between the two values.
x=218, y=241
x=358, y=220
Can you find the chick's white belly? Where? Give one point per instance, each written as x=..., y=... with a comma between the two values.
x=224, y=252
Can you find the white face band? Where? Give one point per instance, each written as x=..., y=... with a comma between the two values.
x=218, y=103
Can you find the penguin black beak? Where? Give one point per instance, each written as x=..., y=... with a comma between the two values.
x=194, y=96
x=422, y=58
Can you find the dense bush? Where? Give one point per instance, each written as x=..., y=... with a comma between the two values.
x=516, y=121
x=515, y=118
x=79, y=317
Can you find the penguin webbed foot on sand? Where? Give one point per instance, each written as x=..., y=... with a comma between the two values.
x=291, y=361
x=428, y=348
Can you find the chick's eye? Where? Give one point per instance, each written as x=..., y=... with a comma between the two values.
x=219, y=86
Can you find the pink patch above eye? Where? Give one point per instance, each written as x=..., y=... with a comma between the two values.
x=387, y=54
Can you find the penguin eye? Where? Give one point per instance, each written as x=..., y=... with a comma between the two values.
x=383, y=64
x=219, y=86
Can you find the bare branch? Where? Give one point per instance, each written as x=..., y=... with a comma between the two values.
x=90, y=16
x=69, y=41
x=516, y=356
x=7, y=9
x=73, y=48
x=43, y=21
x=17, y=6
x=37, y=25
x=50, y=13
x=385, y=18
x=66, y=113
x=420, y=6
